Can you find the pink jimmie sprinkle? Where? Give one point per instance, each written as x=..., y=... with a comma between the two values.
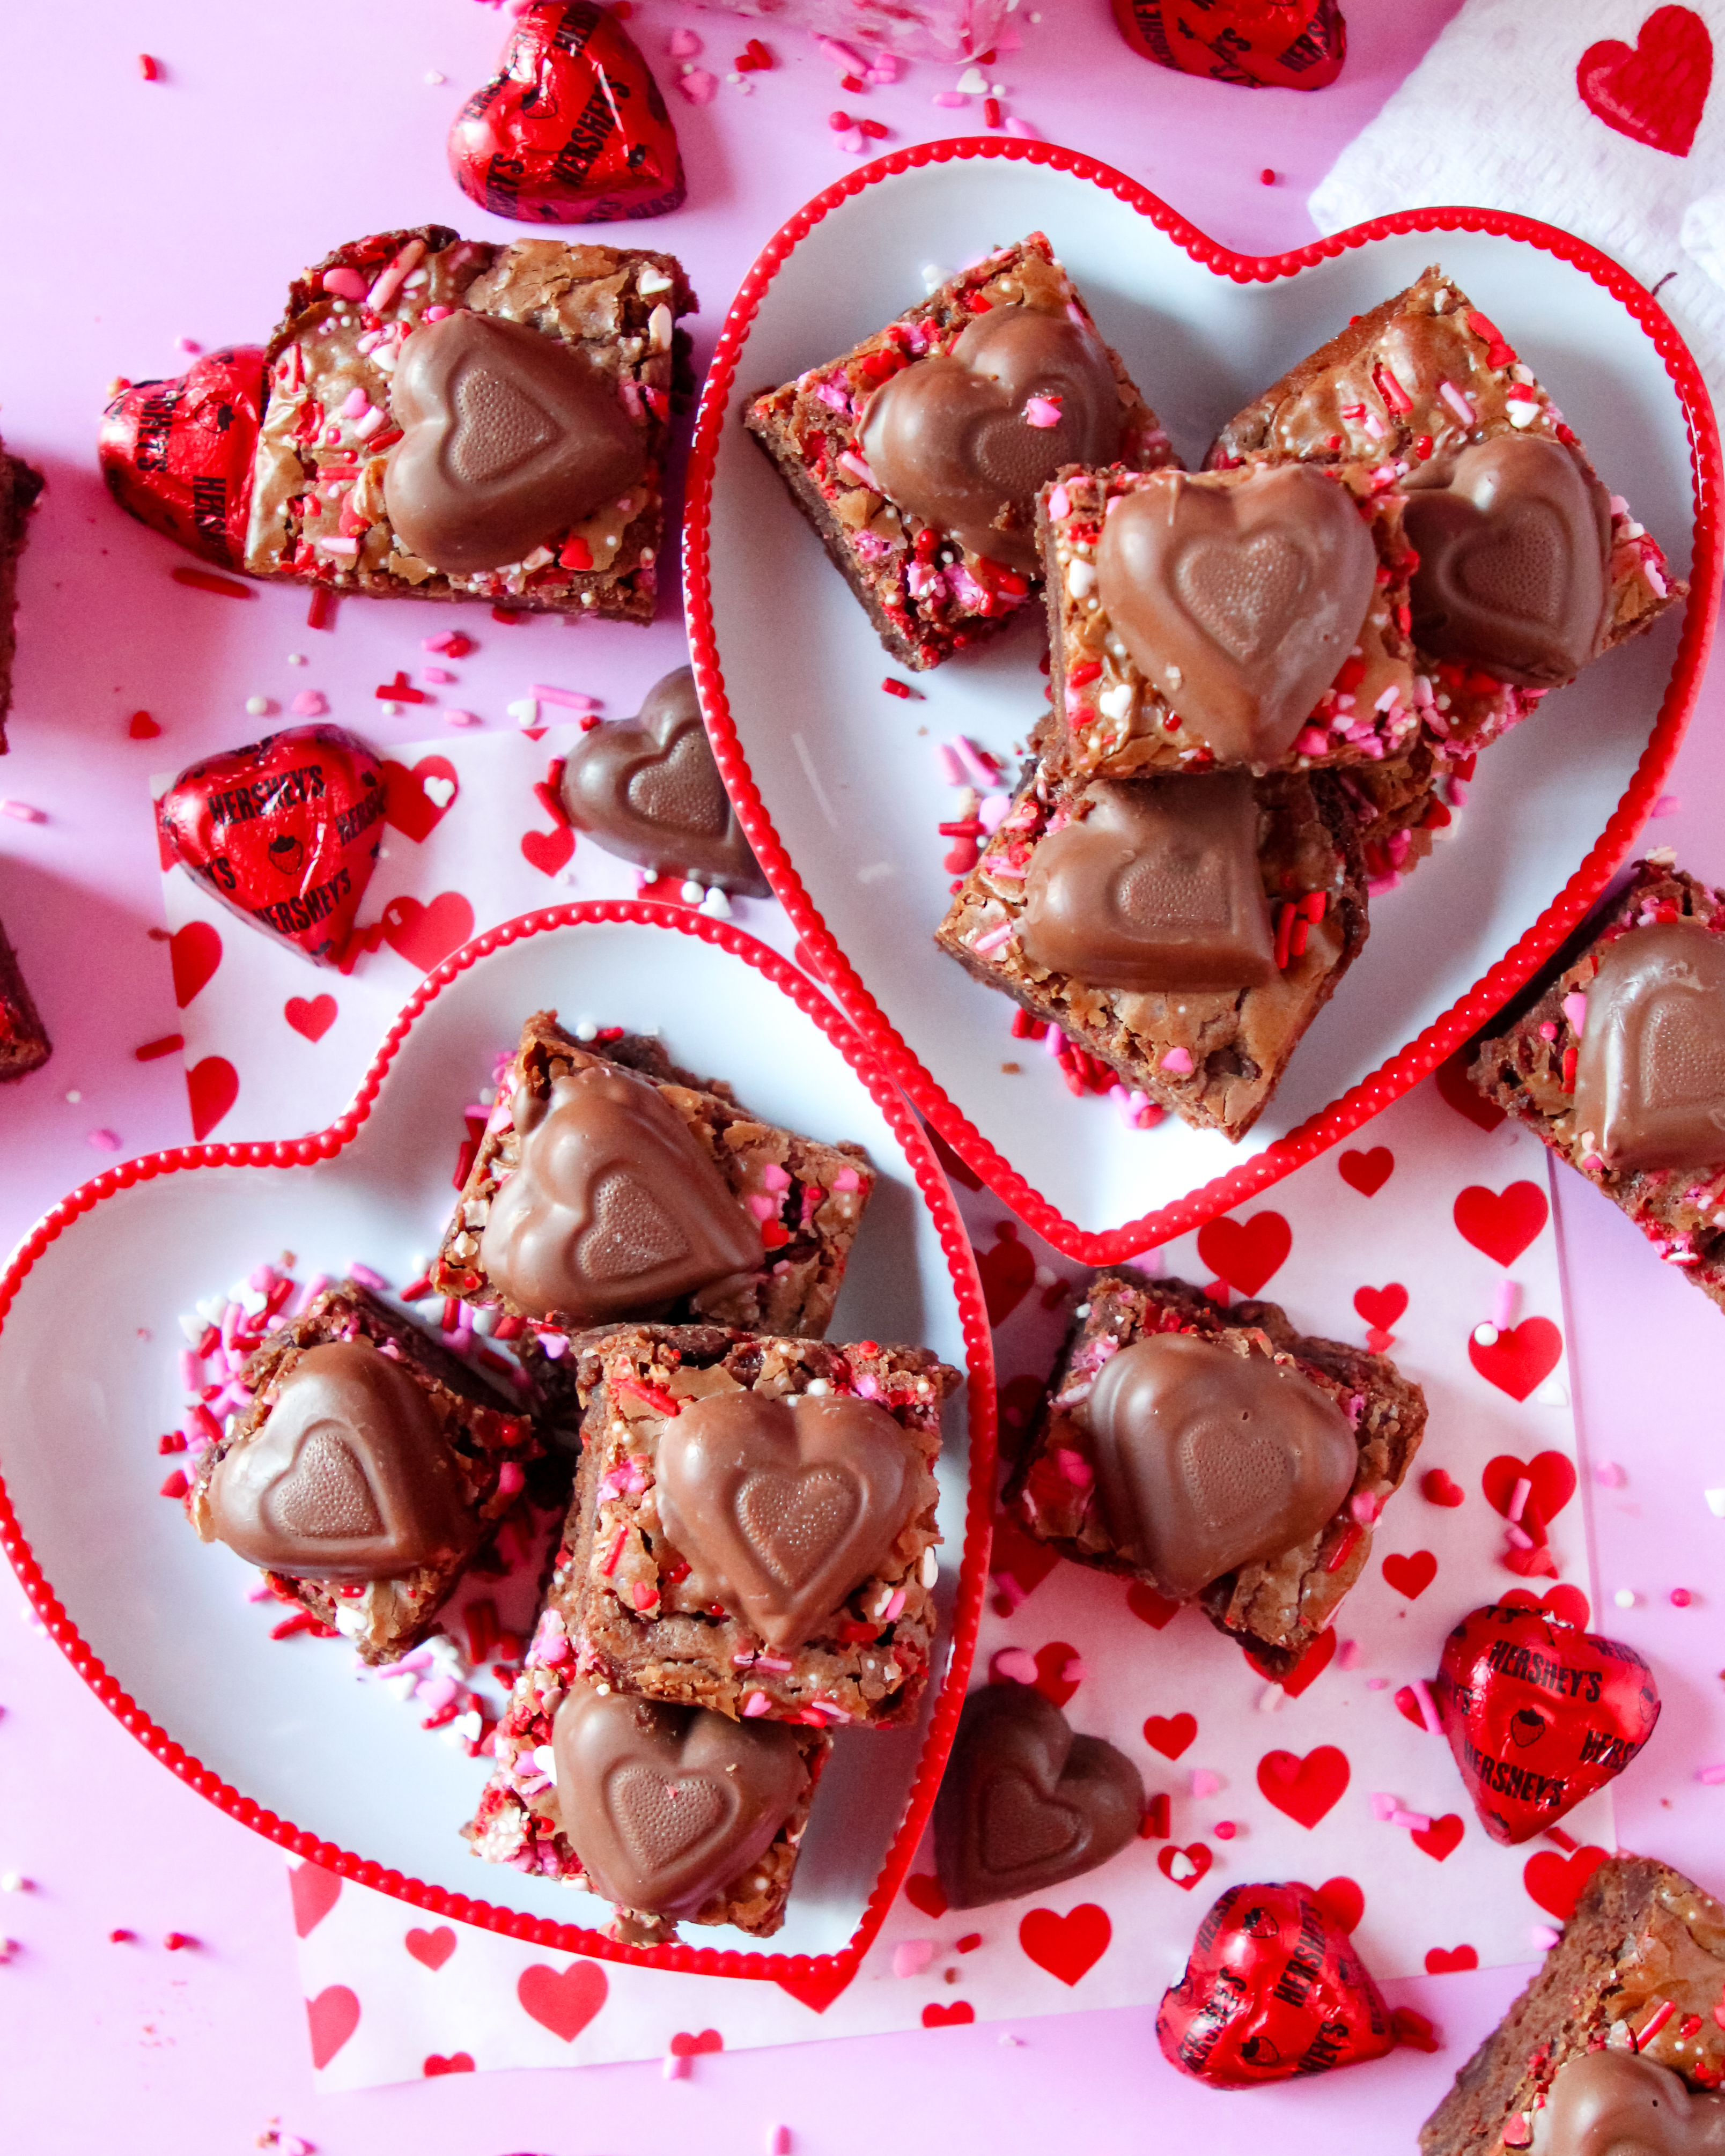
x=757, y=1703
x=1060, y=503
x=1178, y=1061
x=367, y=1277
x=309, y=704
x=1205, y=1783
x=1457, y=403
x=1347, y=1655
x=1712, y=1776
x=1503, y=1317
x=1518, y=1498
x=1042, y=411
x=1384, y=1806
x=948, y=99
x=1419, y=1822
x=462, y=719
x=1428, y=1708
x=22, y=811
x=1667, y=805
x=105, y=1140
x=1544, y=1938
x=847, y=1178
x=996, y=939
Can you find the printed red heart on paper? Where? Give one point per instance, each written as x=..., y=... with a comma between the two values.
x=332, y=2017
x=1437, y=1487
x=212, y=1086
x=1342, y=1901
x=1459, y=1091
x=1198, y=1858
x=925, y=1893
x=1565, y=1604
x=686, y=2046
x=431, y=1950
x=1155, y=1609
x=548, y=851
x=1015, y=1404
x=314, y=1019
x=177, y=454
x=416, y=800
x=1441, y=1961
x=1557, y=1883
x=1068, y=1946
x=562, y=2001
x=1501, y=1224
x=1306, y=1671
x=458, y=2062
x=572, y=128
x=1007, y=1271
x=1381, y=1306
x=1171, y=1734
x=1368, y=1173
x=1551, y=1476
x=316, y=1892
x=194, y=952
x=818, y=1989
x=425, y=935
x=1246, y=1254
x=1053, y=1662
x=937, y=2016
x=1411, y=1575
x=1306, y=1788
x=1440, y=1837
x=1520, y=1356
x=1655, y=91
x=1018, y=1559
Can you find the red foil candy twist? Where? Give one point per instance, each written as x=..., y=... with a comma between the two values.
x=1264, y=44
x=177, y=454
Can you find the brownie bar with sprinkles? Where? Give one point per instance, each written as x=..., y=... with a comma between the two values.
x=368, y=1469
x=753, y=1523
x=24, y=1045
x=917, y=455
x=1139, y=1464
x=1629, y=1996
x=1528, y=568
x=1184, y=932
x=19, y=485
x=451, y=419
x=1619, y=1065
x=610, y=1185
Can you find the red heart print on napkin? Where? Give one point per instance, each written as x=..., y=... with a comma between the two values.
x=1368, y=1173
x=548, y=851
x=1018, y=1557
x=416, y=800
x=1381, y=1306
x=315, y=1892
x=937, y=2016
x=425, y=935
x=1440, y=1837
x=314, y=1019
x=1655, y=91
x=1557, y=1882
x=818, y=1990
x=1197, y=1861
x=1008, y=1272
x=1143, y=1601
x=1171, y=1734
x=924, y=1893
x=213, y=1088
x=1440, y=1961
x=1304, y=1789
x=1519, y=1358
x=562, y=2001
x=1411, y=1575
x=1501, y=1224
x=1067, y=1946
x=1306, y=1672
x=1551, y=1477
x=458, y=2062
x=1246, y=1254
x=1342, y=1901
x=431, y=1950
x=332, y=2017
x=683, y=2046
x=194, y=952
x=1455, y=1087
x=1566, y=1605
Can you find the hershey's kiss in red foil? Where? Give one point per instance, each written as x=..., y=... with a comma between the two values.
x=1263, y=44
x=177, y=454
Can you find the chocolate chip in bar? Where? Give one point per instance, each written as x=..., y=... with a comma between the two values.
x=612, y=1209
x=1025, y=1804
x=508, y=438
x=1238, y=602
x=647, y=790
x=347, y=1478
x=1649, y=1080
x=1157, y=886
x=1207, y=1460
x=961, y=437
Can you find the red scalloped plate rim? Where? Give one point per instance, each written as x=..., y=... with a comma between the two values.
x=1494, y=987
x=823, y=1976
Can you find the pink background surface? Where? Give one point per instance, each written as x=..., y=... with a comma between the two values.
x=136, y=214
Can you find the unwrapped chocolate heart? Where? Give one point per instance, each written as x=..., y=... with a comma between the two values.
x=572, y=128
x=285, y=833
x=177, y=455
x=1264, y=44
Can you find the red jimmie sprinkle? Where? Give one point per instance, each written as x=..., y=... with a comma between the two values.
x=151, y=1050
x=149, y=67
x=660, y=1401
x=202, y=580
x=991, y=112
x=322, y=612
x=895, y=688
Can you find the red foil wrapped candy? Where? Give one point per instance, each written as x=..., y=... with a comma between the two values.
x=1264, y=44
x=177, y=454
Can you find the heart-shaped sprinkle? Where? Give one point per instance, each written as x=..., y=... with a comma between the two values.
x=648, y=789
x=177, y=455
x=1153, y=884
x=346, y=1476
x=1024, y=1803
x=1513, y=541
x=613, y=1209
x=1207, y=1460
x=949, y=441
x=1649, y=1080
x=1611, y=2100
x=1539, y=1715
x=572, y=128
x=783, y=1509
x=508, y=438
x=1274, y=1988
x=285, y=833
x=667, y=1806
x=1238, y=596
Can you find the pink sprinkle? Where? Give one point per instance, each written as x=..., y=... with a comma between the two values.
x=569, y=700
x=22, y=812
x=367, y=1277
x=762, y=1207
x=949, y=99
x=778, y=2141
x=847, y=1178
x=995, y=939
x=1347, y=1655
x=438, y=643
x=339, y=546
x=895, y=1607
x=1205, y=1783
x=462, y=719
x=395, y=276
x=510, y=1479
x=1364, y=1508
x=1312, y=740
x=1014, y=1664
x=105, y=1140
x=1519, y=1538
x=1428, y=1708
x=309, y=704
x=344, y=283
x=356, y=401
x=1575, y=1011
x=983, y=769
x=1177, y=1059
x=757, y=1703
x=888, y=67
x=779, y=1665
x=683, y=45
x=1042, y=411
x=1523, y=1489
x=1591, y=1163
x=675, y=2067
x=855, y=466
x=1419, y=1822
x=1224, y=1829
x=1610, y=1474
x=911, y=1957
x=1384, y=1806
x=1377, y=1684
x=437, y=677
x=309, y=1293
x=1712, y=1776
x=698, y=86
x=952, y=771
x=1457, y=403
x=841, y=55
x=1653, y=578
x=774, y=1177
x=1668, y=804
x=1544, y=1937
x=189, y=344
x=1026, y=132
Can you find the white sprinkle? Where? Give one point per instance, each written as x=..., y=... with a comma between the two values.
x=1716, y=1503
x=586, y=1029
x=13, y=1883
x=434, y=77
x=716, y=905
x=817, y=1386
x=1486, y=1335
x=1553, y=1394
x=930, y=1567
x=1626, y=1598
x=692, y=893
x=1270, y=1699
x=296, y=658
x=75, y=1096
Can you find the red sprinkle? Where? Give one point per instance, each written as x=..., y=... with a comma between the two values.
x=151, y=1050
x=895, y=688
x=142, y=727
x=151, y=70
x=969, y=1942
x=173, y=1442
x=121, y=1937
x=322, y=612
x=609, y=1566
x=656, y=1397
x=205, y=580
x=175, y=1940
x=175, y=1486
x=401, y=690
x=840, y=123
x=1656, y=2021
x=1344, y=1549
x=991, y=112
x=510, y=616
x=1267, y=176
x=873, y=128
x=1681, y=1598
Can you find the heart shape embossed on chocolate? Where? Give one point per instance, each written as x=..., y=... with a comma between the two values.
x=347, y=1477
x=1024, y=1803
x=1513, y=541
x=949, y=441
x=1158, y=886
x=508, y=438
x=1207, y=1460
x=667, y=1805
x=782, y=1509
x=647, y=788
x=1239, y=602
x=1650, y=1079
x=612, y=1209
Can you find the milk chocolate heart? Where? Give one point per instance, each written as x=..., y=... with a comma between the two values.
x=1157, y=887
x=666, y=1806
x=347, y=1477
x=1513, y=542
x=1024, y=1803
x=950, y=440
x=1539, y=1715
x=1274, y=1988
x=612, y=1209
x=508, y=438
x=1238, y=602
x=647, y=788
x=177, y=455
x=1650, y=1079
x=285, y=833
x=783, y=1509
x=1612, y=2103
x=1207, y=1461
x=572, y=128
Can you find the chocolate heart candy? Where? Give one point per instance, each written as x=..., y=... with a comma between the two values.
x=1158, y=886
x=177, y=455
x=347, y=1477
x=949, y=440
x=508, y=438
x=285, y=833
x=1650, y=1079
x=647, y=788
x=1207, y=1461
x=1238, y=602
x=783, y=1509
x=666, y=1806
x=572, y=128
x=1612, y=2103
x=1539, y=1715
x=1274, y=1988
x=612, y=1210
x=1024, y=1803
x=1513, y=541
